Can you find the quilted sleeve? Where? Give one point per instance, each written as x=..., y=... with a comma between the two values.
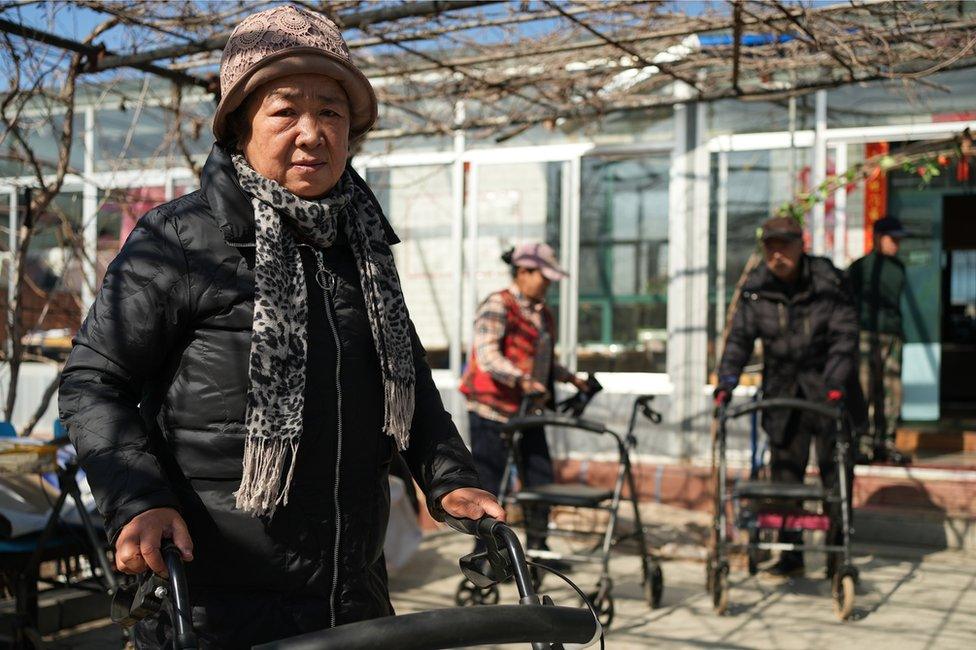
x=138, y=312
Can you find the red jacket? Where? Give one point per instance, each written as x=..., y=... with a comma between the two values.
x=518, y=345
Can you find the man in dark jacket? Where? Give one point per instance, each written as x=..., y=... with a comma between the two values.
x=878, y=282
x=800, y=309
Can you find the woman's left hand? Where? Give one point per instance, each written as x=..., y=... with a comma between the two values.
x=472, y=503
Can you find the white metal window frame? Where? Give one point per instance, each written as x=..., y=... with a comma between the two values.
x=466, y=226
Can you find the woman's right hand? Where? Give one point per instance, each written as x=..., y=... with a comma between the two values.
x=137, y=547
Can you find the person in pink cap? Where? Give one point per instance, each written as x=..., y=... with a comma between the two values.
x=512, y=356
x=249, y=371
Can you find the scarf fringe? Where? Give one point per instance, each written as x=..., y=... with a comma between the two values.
x=261, y=490
x=399, y=399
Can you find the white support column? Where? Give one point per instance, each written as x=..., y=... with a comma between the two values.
x=471, y=257
x=169, y=186
x=567, y=345
x=818, y=229
x=840, y=208
x=721, y=248
x=457, y=243
x=571, y=241
x=688, y=270
x=89, y=216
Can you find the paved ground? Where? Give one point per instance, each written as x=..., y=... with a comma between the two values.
x=907, y=599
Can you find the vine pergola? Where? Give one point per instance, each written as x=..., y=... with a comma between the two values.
x=522, y=63
x=511, y=65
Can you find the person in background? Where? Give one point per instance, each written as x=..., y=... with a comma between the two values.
x=878, y=282
x=513, y=357
x=800, y=308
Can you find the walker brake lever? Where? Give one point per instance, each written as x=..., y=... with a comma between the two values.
x=488, y=567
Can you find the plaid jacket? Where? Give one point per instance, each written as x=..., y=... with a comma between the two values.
x=505, y=365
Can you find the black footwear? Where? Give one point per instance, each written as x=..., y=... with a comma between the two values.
x=861, y=458
x=889, y=453
x=788, y=566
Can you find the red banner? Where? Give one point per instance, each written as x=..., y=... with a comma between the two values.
x=875, y=194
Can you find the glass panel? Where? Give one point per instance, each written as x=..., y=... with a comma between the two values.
x=43, y=131
x=962, y=286
x=418, y=202
x=623, y=264
x=134, y=137
x=53, y=273
x=759, y=182
x=517, y=203
x=735, y=116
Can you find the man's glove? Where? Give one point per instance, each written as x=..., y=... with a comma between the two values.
x=834, y=396
x=722, y=396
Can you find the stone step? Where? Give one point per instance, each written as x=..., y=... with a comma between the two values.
x=918, y=441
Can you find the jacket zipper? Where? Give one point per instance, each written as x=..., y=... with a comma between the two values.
x=327, y=282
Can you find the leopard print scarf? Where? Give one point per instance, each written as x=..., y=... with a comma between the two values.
x=276, y=396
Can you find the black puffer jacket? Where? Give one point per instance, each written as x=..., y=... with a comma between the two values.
x=808, y=331
x=154, y=397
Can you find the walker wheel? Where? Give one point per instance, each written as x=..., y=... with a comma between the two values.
x=843, y=592
x=468, y=594
x=603, y=606
x=720, y=589
x=653, y=583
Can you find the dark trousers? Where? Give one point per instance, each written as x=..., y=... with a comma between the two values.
x=788, y=464
x=490, y=454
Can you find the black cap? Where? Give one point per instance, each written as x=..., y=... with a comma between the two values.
x=889, y=226
x=781, y=228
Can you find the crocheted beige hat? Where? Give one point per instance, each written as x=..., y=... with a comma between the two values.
x=283, y=41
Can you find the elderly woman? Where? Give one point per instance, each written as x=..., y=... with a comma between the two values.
x=249, y=369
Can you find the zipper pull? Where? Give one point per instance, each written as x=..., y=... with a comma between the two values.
x=323, y=277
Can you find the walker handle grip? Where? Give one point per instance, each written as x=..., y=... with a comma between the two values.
x=483, y=528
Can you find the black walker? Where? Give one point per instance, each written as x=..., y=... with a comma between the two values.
x=535, y=620
x=583, y=497
x=762, y=506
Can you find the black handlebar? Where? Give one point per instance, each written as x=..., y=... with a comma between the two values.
x=546, y=419
x=454, y=628
x=832, y=411
x=643, y=403
x=183, y=619
x=143, y=599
